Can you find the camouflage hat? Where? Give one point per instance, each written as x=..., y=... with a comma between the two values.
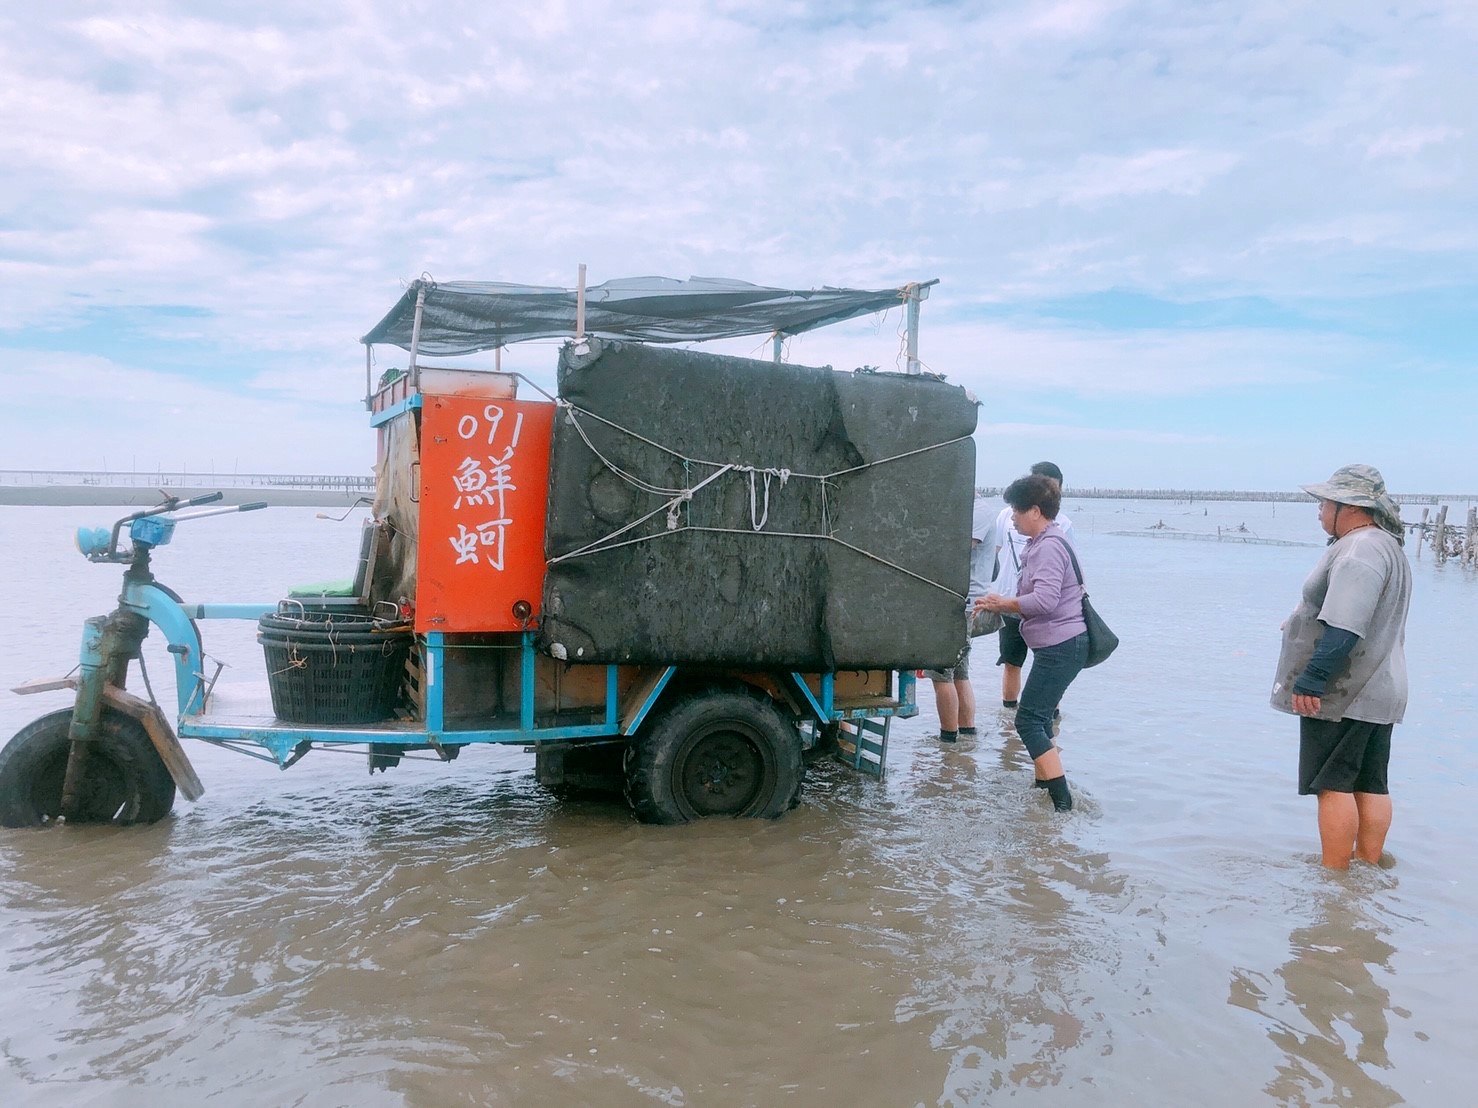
x=1361, y=487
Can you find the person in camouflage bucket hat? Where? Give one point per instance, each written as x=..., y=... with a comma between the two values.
x=1362, y=486
x=1342, y=668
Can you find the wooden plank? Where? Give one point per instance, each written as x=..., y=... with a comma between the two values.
x=855, y=703
x=155, y=726
x=45, y=684
x=162, y=736
x=638, y=696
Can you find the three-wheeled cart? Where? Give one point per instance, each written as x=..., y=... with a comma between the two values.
x=682, y=574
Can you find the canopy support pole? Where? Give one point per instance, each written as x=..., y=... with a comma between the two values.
x=369, y=387
x=913, y=296
x=413, y=371
x=580, y=306
x=915, y=293
x=779, y=341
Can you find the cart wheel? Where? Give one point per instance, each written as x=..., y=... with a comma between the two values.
x=715, y=752
x=126, y=781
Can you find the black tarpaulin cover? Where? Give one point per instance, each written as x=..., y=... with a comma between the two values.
x=745, y=572
x=463, y=317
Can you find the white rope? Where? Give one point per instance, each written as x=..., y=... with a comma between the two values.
x=759, y=514
x=628, y=431
x=630, y=478
x=768, y=534
x=894, y=457
x=672, y=508
x=758, y=522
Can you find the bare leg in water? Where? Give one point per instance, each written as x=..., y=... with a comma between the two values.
x=1352, y=825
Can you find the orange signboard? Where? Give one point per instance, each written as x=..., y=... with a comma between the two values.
x=484, y=492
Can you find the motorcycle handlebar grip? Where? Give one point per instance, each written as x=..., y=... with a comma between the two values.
x=208, y=498
x=253, y=506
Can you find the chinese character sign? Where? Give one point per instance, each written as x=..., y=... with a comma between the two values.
x=484, y=488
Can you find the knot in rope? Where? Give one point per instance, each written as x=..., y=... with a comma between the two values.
x=674, y=508
x=758, y=518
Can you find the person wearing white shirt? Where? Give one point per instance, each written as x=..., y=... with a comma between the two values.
x=954, y=697
x=1008, y=550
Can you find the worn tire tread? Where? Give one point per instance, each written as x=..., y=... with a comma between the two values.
x=122, y=739
x=649, y=768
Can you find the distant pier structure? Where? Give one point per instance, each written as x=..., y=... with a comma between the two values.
x=1190, y=496
x=82, y=486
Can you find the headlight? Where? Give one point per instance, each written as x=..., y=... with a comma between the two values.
x=93, y=540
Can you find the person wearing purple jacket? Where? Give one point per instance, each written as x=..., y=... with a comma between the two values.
x=1049, y=601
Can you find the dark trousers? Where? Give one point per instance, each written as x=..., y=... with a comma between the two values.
x=1053, y=670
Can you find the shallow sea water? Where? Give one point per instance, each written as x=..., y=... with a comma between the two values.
x=455, y=935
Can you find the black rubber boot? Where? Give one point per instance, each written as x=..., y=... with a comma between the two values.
x=1057, y=789
x=1009, y=703
x=948, y=736
x=967, y=731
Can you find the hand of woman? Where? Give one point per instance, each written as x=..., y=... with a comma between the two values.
x=990, y=602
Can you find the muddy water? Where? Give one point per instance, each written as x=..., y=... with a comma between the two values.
x=452, y=934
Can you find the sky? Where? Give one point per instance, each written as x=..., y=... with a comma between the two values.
x=1190, y=245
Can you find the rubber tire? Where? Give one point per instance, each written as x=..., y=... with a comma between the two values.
x=126, y=782
x=715, y=753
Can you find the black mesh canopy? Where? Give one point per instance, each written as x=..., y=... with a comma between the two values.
x=463, y=317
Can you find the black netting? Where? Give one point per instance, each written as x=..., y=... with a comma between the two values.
x=463, y=317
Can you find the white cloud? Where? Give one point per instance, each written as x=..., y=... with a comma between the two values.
x=270, y=174
x=73, y=411
x=1405, y=143
x=1183, y=172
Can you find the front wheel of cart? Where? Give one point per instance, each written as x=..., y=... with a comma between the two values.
x=125, y=782
x=715, y=753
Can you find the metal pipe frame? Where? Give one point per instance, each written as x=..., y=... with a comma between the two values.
x=580, y=306
x=413, y=371
x=915, y=294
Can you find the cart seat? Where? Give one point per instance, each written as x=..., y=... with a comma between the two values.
x=348, y=594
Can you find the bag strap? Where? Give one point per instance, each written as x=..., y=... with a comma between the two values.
x=1076, y=568
x=1012, y=544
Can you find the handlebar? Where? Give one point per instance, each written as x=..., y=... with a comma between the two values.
x=97, y=552
x=252, y=507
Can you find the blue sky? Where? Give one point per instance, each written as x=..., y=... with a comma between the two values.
x=1197, y=245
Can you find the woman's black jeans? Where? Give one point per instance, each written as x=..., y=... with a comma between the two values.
x=1053, y=670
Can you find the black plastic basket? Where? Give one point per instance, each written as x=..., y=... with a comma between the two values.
x=295, y=615
x=327, y=675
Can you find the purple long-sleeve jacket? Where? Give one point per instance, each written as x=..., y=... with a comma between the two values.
x=1051, y=598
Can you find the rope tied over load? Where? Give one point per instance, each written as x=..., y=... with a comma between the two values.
x=757, y=522
x=762, y=481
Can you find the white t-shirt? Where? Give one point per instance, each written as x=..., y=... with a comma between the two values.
x=1010, y=545
x=982, y=547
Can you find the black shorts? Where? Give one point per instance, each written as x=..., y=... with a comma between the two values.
x=1343, y=756
x=1013, y=646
